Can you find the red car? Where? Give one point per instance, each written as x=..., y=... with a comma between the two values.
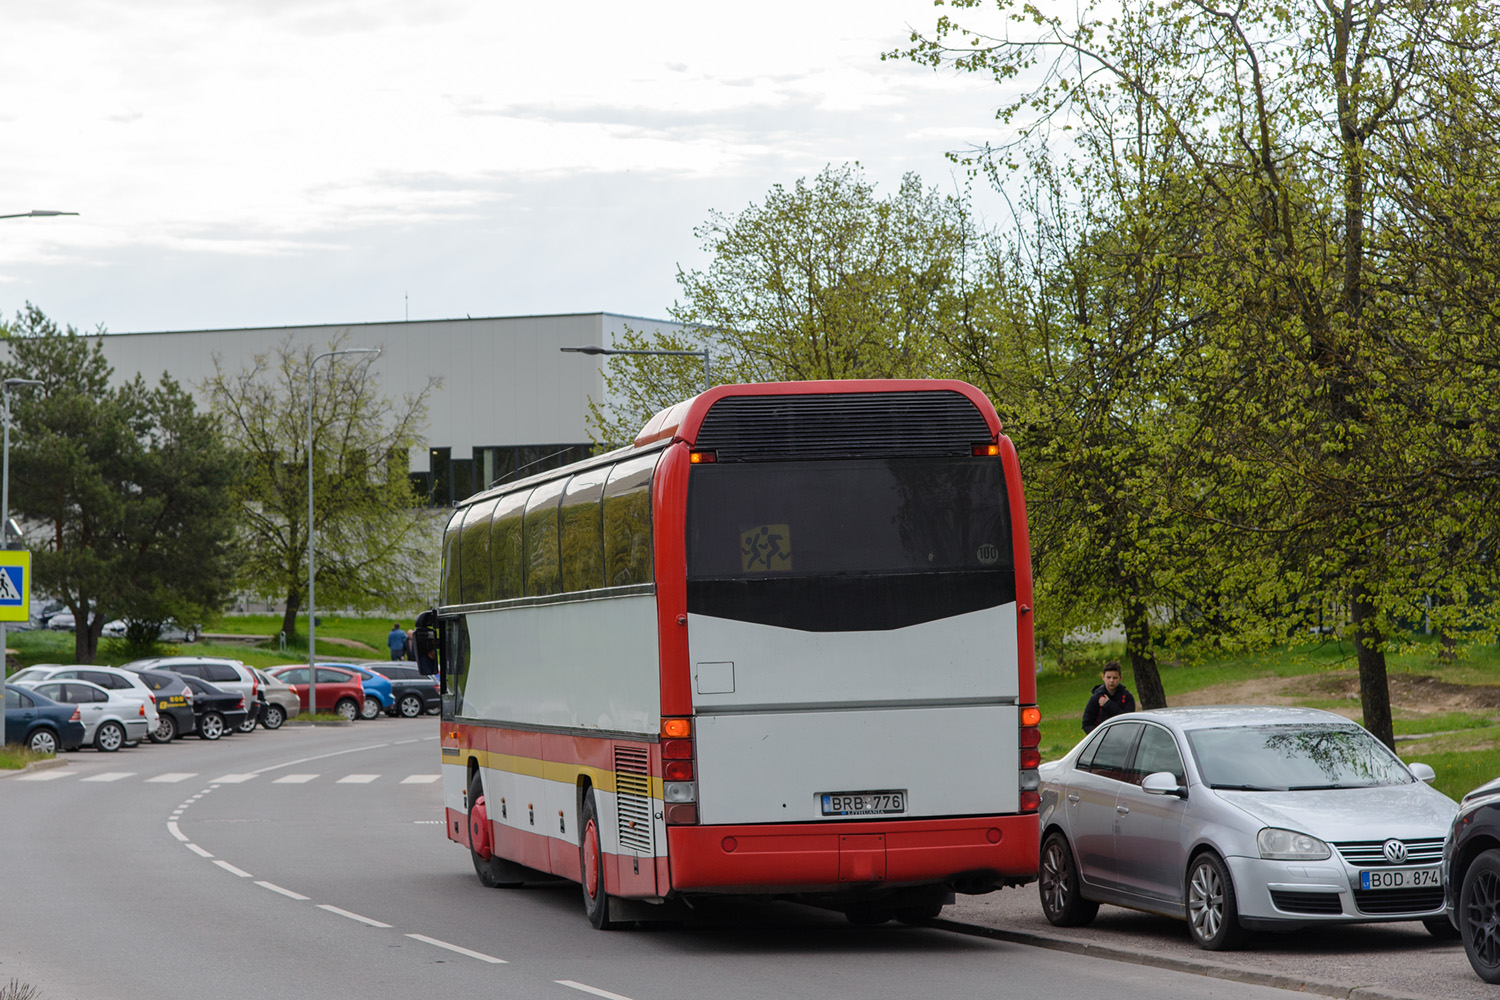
x=341, y=691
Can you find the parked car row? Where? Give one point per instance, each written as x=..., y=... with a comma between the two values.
x=54, y=707
x=1240, y=818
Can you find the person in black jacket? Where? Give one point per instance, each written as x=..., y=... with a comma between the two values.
x=1109, y=699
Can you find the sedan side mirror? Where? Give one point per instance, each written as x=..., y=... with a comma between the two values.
x=1164, y=783
x=1422, y=772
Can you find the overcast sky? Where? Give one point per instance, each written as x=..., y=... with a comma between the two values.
x=278, y=162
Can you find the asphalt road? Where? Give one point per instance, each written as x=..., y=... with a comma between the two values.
x=311, y=862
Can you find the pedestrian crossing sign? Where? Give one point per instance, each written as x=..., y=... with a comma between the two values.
x=15, y=586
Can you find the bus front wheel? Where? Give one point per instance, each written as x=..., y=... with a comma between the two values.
x=591, y=866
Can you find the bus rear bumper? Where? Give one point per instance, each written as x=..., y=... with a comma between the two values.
x=969, y=854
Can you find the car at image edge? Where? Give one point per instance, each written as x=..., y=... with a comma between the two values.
x=1471, y=878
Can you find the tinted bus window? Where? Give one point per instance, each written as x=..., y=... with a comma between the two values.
x=540, y=538
x=448, y=586
x=582, y=540
x=627, y=522
x=507, y=561
x=474, y=554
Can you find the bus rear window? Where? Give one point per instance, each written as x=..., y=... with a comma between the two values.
x=857, y=517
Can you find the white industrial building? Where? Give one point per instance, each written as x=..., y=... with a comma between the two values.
x=509, y=398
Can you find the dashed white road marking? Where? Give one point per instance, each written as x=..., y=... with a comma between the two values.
x=357, y=779
x=231, y=869
x=453, y=947
x=294, y=779
x=285, y=892
x=232, y=779
x=352, y=916
x=198, y=850
x=421, y=779
x=596, y=991
x=110, y=776
x=175, y=831
x=173, y=776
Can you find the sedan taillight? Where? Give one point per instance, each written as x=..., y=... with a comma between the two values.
x=75, y=717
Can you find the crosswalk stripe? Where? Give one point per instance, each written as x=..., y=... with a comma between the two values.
x=43, y=776
x=110, y=776
x=421, y=779
x=232, y=779
x=294, y=779
x=356, y=779
x=174, y=776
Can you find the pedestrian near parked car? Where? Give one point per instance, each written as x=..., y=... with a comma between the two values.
x=396, y=640
x=1109, y=699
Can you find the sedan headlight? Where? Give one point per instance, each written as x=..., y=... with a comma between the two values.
x=1289, y=845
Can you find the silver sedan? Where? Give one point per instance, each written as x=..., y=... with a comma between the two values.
x=1241, y=817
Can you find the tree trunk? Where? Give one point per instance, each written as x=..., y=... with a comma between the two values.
x=1374, y=690
x=1148, y=689
x=86, y=631
x=293, y=605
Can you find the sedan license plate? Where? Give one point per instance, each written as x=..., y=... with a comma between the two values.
x=863, y=803
x=1404, y=878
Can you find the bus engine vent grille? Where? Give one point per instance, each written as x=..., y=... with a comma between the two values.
x=840, y=425
x=633, y=798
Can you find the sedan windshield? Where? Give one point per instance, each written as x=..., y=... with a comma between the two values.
x=1294, y=757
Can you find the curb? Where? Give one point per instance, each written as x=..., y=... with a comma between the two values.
x=36, y=765
x=308, y=724
x=1195, y=967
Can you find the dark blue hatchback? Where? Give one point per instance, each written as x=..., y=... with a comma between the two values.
x=39, y=723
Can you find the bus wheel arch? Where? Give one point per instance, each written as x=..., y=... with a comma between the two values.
x=596, y=901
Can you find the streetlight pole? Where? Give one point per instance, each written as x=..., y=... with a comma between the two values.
x=312, y=616
x=5, y=514
x=707, y=379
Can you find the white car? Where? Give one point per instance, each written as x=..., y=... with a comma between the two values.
x=109, y=721
x=170, y=632
x=124, y=683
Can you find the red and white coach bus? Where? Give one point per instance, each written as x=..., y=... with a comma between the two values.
x=781, y=645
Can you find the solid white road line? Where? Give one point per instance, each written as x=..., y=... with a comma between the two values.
x=357, y=779
x=294, y=779
x=198, y=850
x=606, y=994
x=231, y=869
x=174, y=776
x=421, y=779
x=173, y=829
x=453, y=947
x=289, y=894
x=110, y=776
x=351, y=916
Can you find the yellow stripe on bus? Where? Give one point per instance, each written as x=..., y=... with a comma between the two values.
x=551, y=770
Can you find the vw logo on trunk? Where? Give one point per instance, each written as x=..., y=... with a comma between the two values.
x=1395, y=851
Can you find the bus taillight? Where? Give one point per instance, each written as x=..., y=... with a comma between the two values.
x=986, y=450
x=679, y=789
x=1030, y=758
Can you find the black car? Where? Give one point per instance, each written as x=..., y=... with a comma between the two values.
x=414, y=691
x=39, y=723
x=217, y=711
x=174, y=705
x=1471, y=878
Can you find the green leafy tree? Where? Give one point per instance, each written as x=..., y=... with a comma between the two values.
x=822, y=280
x=125, y=489
x=373, y=547
x=1334, y=398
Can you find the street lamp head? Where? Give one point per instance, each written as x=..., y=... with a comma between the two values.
x=586, y=350
x=36, y=213
x=12, y=382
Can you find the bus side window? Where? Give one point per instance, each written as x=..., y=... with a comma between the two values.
x=582, y=539
x=507, y=556
x=539, y=530
x=474, y=554
x=627, y=522
x=448, y=586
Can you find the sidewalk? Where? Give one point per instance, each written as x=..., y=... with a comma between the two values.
x=1399, y=961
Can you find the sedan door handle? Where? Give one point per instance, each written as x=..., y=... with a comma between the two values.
x=1122, y=810
x=1073, y=798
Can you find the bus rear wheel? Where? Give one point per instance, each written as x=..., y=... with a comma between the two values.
x=591, y=866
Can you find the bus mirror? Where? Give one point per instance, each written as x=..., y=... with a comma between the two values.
x=426, y=642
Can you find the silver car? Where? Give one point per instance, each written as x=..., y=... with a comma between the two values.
x=109, y=721
x=1238, y=818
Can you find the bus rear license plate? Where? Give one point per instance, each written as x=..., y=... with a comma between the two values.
x=863, y=803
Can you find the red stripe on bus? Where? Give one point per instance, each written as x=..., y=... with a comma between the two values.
x=669, y=529
x=1021, y=553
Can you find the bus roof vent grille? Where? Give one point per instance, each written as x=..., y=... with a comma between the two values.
x=842, y=425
